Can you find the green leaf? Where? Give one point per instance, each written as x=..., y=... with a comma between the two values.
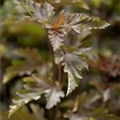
x=71, y=3
x=23, y=114
x=80, y=4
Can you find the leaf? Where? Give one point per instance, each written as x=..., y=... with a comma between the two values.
x=23, y=114
x=18, y=68
x=74, y=62
x=38, y=111
x=34, y=87
x=80, y=4
x=39, y=12
x=53, y=97
x=32, y=91
x=24, y=97
x=92, y=114
x=31, y=55
x=88, y=107
x=31, y=62
x=80, y=22
x=75, y=117
x=3, y=115
x=72, y=3
x=107, y=65
x=56, y=37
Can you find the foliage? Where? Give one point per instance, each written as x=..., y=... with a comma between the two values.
x=51, y=48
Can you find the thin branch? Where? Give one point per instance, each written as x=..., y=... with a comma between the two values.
x=59, y=75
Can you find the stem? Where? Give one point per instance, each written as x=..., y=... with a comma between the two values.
x=59, y=73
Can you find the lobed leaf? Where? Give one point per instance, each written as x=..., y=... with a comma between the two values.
x=34, y=87
x=74, y=62
x=56, y=37
x=31, y=91
x=40, y=12
x=79, y=22
x=53, y=97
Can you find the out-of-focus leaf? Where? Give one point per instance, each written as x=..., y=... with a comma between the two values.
x=88, y=107
x=31, y=55
x=80, y=4
x=73, y=3
x=39, y=12
x=3, y=50
x=85, y=99
x=23, y=114
x=38, y=112
x=96, y=3
x=76, y=117
x=32, y=91
x=20, y=67
x=29, y=28
x=25, y=96
x=53, y=97
x=92, y=114
x=3, y=115
x=6, y=11
x=110, y=65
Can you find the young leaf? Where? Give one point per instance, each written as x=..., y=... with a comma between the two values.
x=56, y=37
